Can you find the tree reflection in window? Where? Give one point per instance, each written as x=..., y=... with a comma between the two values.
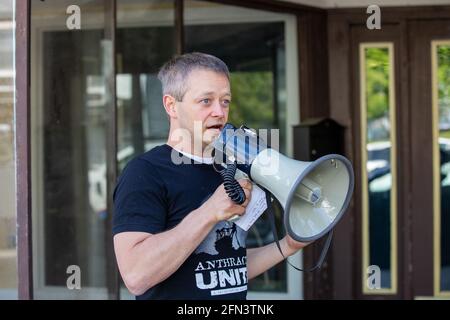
x=378, y=141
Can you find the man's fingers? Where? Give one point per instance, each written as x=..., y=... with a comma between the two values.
x=246, y=184
x=245, y=203
x=248, y=193
x=239, y=210
x=247, y=198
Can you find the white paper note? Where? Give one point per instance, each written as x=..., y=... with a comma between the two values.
x=254, y=209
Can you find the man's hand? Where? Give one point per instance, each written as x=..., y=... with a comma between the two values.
x=222, y=207
x=147, y=259
x=294, y=245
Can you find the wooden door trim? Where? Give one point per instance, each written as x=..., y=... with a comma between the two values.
x=391, y=34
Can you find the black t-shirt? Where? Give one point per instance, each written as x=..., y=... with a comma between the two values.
x=154, y=194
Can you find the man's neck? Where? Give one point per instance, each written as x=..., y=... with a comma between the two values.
x=187, y=144
x=202, y=151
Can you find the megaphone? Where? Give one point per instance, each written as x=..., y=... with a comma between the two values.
x=314, y=195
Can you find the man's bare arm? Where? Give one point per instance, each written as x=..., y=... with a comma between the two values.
x=263, y=258
x=146, y=259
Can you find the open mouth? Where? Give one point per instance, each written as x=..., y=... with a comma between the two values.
x=217, y=126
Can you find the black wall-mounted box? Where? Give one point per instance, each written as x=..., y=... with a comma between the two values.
x=315, y=138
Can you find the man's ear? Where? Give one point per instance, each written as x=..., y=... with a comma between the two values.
x=169, y=104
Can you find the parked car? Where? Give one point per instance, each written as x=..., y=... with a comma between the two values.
x=380, y=184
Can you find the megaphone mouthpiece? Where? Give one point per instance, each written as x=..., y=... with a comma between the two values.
x=309, y=191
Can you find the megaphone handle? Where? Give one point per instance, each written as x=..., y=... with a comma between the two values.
x=275, y=235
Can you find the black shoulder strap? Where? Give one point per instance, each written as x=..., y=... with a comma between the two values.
x=325, y=248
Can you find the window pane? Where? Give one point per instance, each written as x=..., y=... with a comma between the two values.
x=69, y=119
x=145, y=40
x=8, y=252
x=378, y=137
x=252, y=44
x=443, y=121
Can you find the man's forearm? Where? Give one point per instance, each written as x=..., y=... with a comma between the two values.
x=264, y=258
x=158, y=256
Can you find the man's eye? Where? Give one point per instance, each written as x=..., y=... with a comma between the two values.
x=226, y=102
x=206, y=101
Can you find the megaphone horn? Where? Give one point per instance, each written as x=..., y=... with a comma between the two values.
x=314, y=195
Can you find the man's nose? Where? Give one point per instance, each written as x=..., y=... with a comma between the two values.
x=218, y=110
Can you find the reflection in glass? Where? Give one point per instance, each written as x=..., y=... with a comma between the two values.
x=443, y=167
x=255, y=54
x=145, y=40
x=378, y=134
x=8, y=246
x=69, y=105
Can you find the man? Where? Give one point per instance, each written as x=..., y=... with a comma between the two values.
x=172, y=237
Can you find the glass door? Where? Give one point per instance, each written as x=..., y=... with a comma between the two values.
x=261, y=51
x=71, y=69
x=81, y=129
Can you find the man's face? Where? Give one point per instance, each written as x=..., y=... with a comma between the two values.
x=205, y=105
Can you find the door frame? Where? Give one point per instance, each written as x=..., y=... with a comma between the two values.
x=23, y=148
x=361, y=36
